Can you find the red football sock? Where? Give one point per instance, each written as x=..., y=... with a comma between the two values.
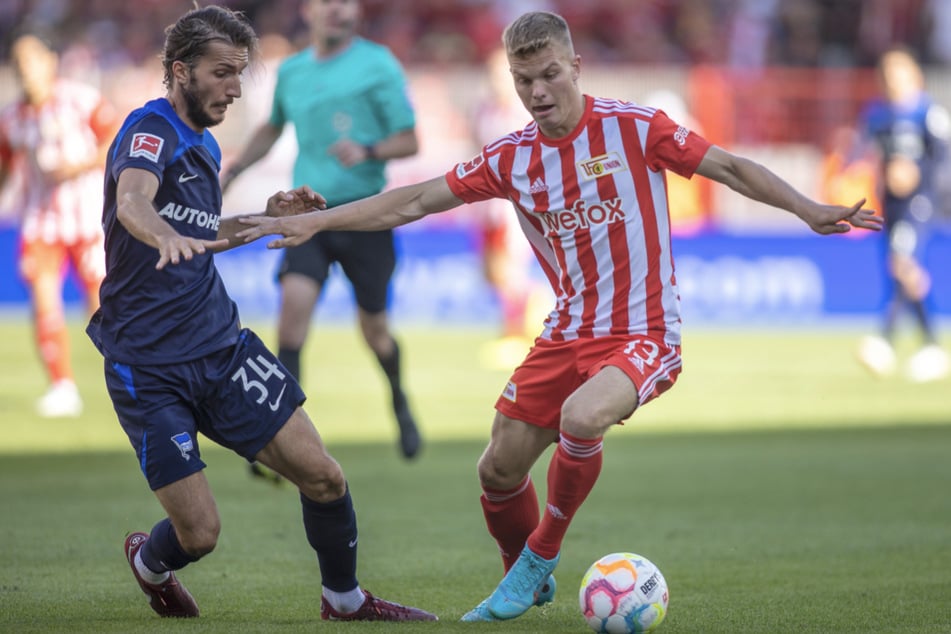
x=573, y=470
x=511, y=516
x=52, y=339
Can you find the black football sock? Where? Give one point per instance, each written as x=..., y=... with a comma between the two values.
x=290, y=359
x=162, y=551
x=332, y=531
x=391, y=367
x=924, y=321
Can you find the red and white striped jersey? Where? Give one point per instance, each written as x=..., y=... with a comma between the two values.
x=593, y=205
x=37, y=140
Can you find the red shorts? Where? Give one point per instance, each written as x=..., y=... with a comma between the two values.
x=39, y=259
x=553, y=370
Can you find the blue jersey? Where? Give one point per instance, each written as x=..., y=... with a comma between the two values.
x=182, y=312
x=916, y=130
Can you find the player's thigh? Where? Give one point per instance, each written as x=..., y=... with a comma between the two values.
x=42, y=266
x=622, y=373
x=601, y=401
x=42, y=260
x=298, y=453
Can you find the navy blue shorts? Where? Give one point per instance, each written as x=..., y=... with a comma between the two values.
x=238, y=397
x=367, y=258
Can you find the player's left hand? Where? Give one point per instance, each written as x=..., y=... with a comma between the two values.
x=348, y=152
x=297, y=201
x=295, y=229
x=828, y=219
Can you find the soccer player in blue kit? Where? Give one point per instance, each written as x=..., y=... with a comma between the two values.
x=910, y=134
x=177, y=361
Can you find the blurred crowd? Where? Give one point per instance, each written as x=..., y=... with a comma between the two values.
x=739, y=33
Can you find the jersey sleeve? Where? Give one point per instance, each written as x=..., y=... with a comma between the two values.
x=673, y=147
x=148, y=144
x=278, y=116
x=390, y=95
x=476, y=180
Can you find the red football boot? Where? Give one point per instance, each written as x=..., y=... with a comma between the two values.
x=168, y=599
x=375, y=609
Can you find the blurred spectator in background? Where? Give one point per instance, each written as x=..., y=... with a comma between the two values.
x=910, y=134
x=780, y=32
x=347, y=100
x=53, y=141
x=507, y=259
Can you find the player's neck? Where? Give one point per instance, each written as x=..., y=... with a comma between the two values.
x=324, y=49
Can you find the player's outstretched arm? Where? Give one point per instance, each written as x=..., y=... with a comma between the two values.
x=390, y=209
x=135, y=192
x=755, y=181
x=290, y=203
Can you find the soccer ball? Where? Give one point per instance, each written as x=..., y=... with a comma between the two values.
x=623, y=593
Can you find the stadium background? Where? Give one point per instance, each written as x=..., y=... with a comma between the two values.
x=778, y=487
x=773, y=79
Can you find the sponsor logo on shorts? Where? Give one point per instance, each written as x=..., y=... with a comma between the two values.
x=184, y=443
x=147, y=146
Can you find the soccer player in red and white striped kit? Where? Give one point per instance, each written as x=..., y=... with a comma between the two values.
x=53, y=141
x=587, y=180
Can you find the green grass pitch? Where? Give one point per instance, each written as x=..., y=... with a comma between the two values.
x=777, y=486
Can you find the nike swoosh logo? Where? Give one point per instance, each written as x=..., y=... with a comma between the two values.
x=353, y=543
x=277, y=401
x=186, y=177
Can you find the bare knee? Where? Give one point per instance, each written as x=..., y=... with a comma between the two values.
x=199, y=538
x=323, y=481
x=496, y=474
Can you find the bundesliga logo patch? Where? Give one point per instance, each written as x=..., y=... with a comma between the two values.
x=147, y=146
x=464, y=169
x=511, y=391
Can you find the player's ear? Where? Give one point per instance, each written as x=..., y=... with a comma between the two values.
x=180, y=71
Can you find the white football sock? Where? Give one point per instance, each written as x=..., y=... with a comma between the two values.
x=345, y=602
x=147, y=574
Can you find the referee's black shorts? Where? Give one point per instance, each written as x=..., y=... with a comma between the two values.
x=367, y=258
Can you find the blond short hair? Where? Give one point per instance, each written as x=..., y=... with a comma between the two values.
x=532, y=32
